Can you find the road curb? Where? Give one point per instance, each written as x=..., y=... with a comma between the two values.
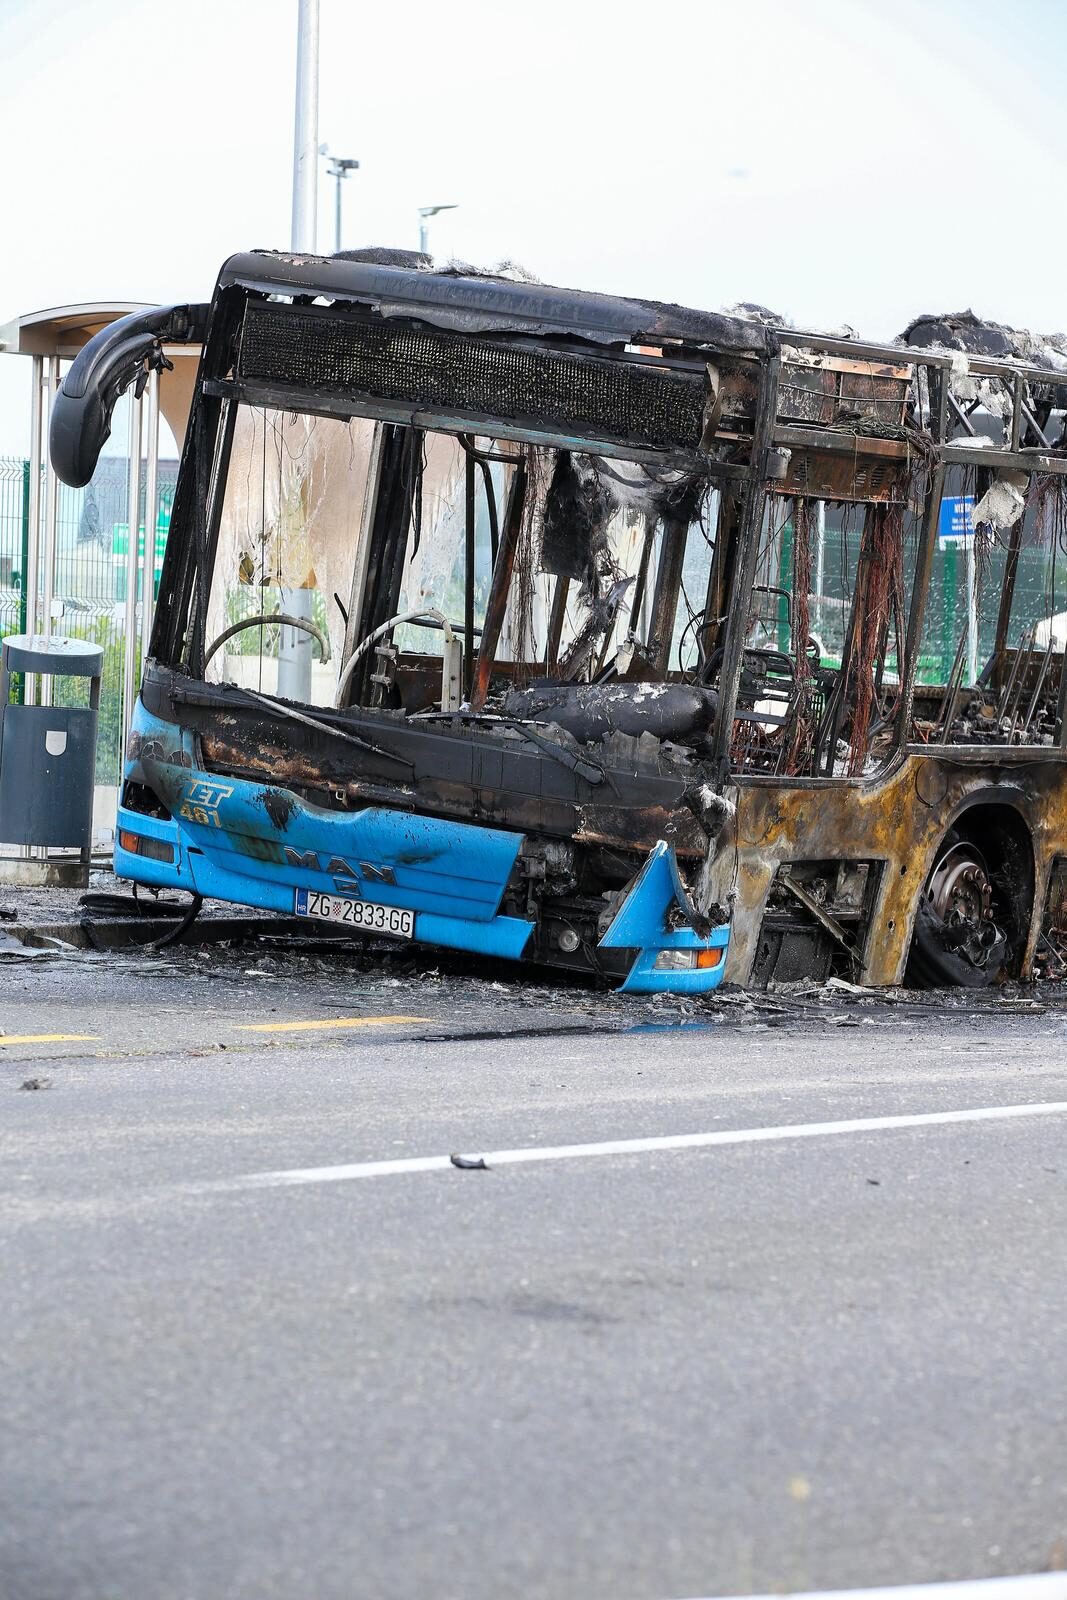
x=125, y=933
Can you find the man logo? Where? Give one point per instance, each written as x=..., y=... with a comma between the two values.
x=345, y=876
x=375, y=874
x=308, y=859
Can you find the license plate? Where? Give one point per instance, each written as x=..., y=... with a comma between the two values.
x=367, y=915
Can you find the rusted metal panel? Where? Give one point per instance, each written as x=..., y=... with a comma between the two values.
x=898, y=819
x=632, y=828
x=826, y=390
x=852, y=472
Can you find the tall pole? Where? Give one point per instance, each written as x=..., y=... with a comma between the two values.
x=338, y=169
x=425, y=213
x=294, y=645
x=306, y=132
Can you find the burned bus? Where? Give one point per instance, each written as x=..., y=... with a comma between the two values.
x=596, y=633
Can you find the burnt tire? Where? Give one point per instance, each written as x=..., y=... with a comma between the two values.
x=960, y=939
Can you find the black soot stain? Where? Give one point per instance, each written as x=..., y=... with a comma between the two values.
x=278, y=806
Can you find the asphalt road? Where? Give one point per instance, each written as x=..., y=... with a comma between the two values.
x=836, y=1360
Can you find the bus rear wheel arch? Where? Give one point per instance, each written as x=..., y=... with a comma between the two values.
x=973, y=914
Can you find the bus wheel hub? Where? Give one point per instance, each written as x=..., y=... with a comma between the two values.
x=960, y=894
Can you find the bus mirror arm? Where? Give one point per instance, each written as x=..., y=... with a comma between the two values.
x=102, y=372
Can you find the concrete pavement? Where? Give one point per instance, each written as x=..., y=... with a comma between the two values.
x=799, y=1364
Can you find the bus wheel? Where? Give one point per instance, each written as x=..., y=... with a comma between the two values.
x=958, y=937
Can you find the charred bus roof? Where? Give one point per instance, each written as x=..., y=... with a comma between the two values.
x=396, y=283
x=386, y=337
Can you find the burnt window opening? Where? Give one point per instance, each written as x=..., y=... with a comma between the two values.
x=362, y=564
x=991, y=656
x=822, y=667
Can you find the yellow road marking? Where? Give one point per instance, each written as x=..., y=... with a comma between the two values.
x=45, y=1038
x=321, y=1026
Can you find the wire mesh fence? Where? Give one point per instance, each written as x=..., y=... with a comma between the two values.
x=89, y=582
x=963, y=593
x=14, y=535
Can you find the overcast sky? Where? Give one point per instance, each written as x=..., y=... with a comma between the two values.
x=854, y=161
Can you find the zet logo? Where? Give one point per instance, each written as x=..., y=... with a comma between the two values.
x=201, y=803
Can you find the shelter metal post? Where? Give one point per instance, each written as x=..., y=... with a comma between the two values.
x=32, y=562
x=31, y=576
x=51, y=516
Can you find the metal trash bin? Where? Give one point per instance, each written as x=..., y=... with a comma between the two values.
x=48, y=753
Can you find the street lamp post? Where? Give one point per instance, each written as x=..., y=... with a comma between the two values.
x=425, y=213
x=338, y=170
x=306, y=134
x=294, y=645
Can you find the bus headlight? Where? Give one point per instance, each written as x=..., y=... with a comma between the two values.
x=689, y=960
x=139, y=844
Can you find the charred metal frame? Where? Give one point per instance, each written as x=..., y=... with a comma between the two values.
x=500, y=586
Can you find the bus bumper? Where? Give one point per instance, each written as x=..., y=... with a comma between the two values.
x=254, y=845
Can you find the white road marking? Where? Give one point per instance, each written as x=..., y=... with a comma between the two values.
x=627, y=1147
x=1032, y=1586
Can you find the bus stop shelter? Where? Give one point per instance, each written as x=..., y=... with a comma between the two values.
x=53, y=587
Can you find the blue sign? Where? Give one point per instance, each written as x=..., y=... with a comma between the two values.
x=955, y=523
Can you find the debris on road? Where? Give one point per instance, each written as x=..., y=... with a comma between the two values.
x=472, y=997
